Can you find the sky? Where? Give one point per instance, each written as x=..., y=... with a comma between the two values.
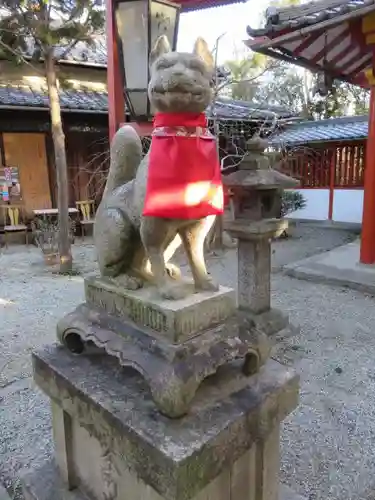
x=212, y=23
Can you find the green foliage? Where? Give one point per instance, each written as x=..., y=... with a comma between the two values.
x=265, y=81
x=292, y=201
x=282, y=84
x=31, y=28
x=244, y=75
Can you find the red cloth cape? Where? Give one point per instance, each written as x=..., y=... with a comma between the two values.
x=184, y=177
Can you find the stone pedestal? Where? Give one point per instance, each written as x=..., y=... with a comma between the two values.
x=174, y=345
x=254, y=272
x=111, y=443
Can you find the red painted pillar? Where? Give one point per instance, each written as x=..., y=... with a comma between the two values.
x=367, y=255
x=332, y=173
x=116, y=101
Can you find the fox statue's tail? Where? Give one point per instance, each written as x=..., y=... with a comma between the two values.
x=126, y=155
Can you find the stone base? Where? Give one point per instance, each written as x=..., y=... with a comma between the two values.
x=270, y=322
x=46, y=484
x=209, y=332
x=176, y=320
x=111, y=443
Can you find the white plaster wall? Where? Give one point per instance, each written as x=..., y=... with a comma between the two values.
x=316, y=205
x=347, y=205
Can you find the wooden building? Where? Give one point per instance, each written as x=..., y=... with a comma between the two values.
x=328, y=157
x=25, y=137
x=336, y=39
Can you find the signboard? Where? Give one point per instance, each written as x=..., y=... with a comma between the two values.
x=8, y=174
x=9, y=183
x=4, y=193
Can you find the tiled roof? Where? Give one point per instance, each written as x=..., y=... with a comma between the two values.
x=97, y=102
x=308, y=14
x=94, y=54
x=70, y=99
x=230, y=108
x=190, y=5
x=336, y=129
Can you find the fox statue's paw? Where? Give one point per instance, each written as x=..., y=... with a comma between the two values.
x=206, y=285
x=173, y=291
x=128, y=282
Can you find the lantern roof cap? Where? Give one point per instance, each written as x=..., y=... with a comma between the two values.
x=259, y=179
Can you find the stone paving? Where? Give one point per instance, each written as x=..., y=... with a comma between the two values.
x=327, y=442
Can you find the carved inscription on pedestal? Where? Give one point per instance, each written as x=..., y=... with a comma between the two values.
x=202, y=316
x=125, y=306
x=178, y=320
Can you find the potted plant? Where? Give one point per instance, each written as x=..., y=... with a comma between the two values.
x=45, y=232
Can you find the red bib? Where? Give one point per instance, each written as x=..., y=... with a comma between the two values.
x=184, y=177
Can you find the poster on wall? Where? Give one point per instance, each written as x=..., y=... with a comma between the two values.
x=8, y=175
x=10, y=190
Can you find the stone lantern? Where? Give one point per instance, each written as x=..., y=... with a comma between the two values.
x=139, y=24
x=256, y=193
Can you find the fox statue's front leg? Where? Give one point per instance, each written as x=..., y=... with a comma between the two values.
x=155, y=232
x=193, y=237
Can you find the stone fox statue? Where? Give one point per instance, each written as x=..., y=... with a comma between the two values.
x=133, y=248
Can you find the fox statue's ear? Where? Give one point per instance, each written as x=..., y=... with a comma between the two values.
x=201, y=49
x=161, y=47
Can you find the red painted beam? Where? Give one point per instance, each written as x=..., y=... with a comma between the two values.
x=332, y=174
x=352, y=59
x=307, y=42
x=330, y=46
x=367, y=254
x=115, y=89
x=357, y=70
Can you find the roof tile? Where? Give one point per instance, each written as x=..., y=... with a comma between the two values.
x=224, y=109
x=306, y=14
x=336, y=129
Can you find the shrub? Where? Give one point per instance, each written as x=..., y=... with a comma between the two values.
x=292, y=201
x=46, y=233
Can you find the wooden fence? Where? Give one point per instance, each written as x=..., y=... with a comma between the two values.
x=331, y=166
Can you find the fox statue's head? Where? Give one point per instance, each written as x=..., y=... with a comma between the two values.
x=180, y=82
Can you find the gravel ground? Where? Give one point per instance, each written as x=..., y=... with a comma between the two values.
x=326, y=443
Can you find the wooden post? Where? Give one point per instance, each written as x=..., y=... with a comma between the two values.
x=367, y=252
x=116, y=101
x=367, y=255
x=332, y=172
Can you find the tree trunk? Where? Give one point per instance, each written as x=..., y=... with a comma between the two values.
x=61, y=164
